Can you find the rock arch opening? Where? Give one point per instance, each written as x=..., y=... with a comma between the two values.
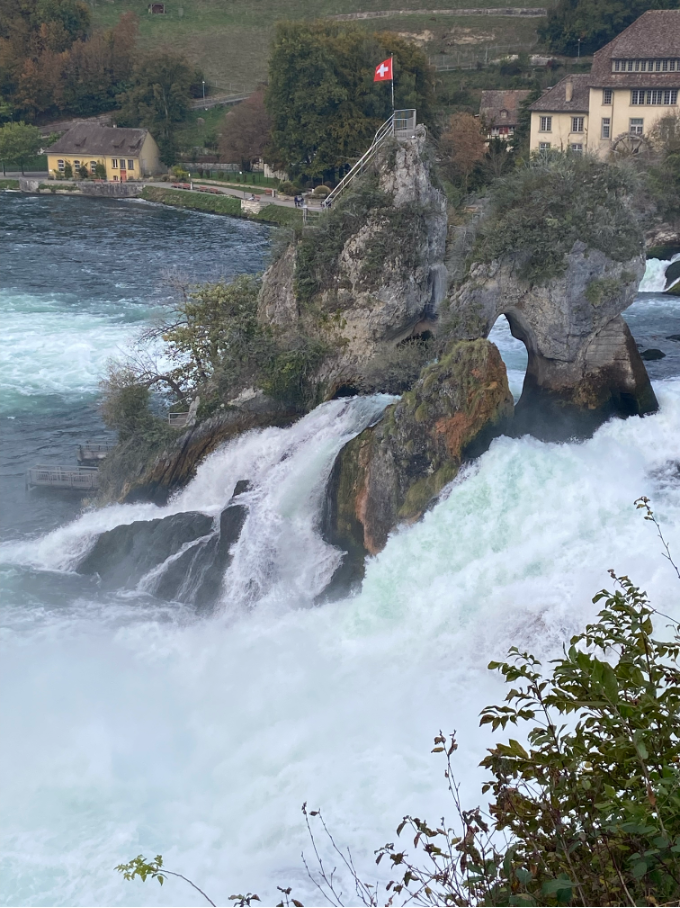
x=514, y=353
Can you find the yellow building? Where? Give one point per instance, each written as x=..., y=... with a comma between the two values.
x=125, y=154
x=633, y=82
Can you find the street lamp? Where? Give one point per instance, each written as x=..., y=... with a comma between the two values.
x=204, y=91
x=578, y=53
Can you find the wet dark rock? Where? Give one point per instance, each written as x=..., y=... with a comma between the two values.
x=652, y=354
x=673, y=337
x=672, y=273
x=122, y=556
x=196, y=576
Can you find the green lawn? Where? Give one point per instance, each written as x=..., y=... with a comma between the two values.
x=221, y=204
x=230, y=39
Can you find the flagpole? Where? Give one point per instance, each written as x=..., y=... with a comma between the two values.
x=392, y=80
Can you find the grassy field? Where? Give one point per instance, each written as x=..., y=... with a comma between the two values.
x=213, y=204
x=230, y=39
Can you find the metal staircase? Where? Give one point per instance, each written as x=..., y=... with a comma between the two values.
x=400, y=125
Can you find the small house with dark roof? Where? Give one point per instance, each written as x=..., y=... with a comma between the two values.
x=499, y=112
x=559, y=118
x=634, y=81
x=114, y=154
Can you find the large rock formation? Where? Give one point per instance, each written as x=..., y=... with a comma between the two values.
x=583, y=363
x=392, y=471
x=182, y=557
x=371, y=273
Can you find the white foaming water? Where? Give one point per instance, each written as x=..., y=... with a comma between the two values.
x=51, y=348
x=654, y=280
x=201, y=739
x=279, y=548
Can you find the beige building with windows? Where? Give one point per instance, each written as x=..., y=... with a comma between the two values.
x=122, y=154
x=633, y=82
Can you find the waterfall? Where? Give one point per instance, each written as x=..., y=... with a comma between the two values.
x=654, y=280
x=279, y=553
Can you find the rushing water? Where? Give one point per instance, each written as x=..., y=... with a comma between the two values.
x=132, y=726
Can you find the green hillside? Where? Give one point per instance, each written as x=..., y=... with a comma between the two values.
x=230, y=38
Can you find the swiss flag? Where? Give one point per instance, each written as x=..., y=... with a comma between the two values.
x=383, y=72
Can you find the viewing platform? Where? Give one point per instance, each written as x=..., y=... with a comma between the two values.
x=82, y=479
x=90, y=453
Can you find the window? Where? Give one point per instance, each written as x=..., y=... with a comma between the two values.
x=577, y=124
x=93, y=167
x=60, y=165
x=636, y=126
x=114, y=162
x=546, y=125
x=667, y=96
x=577, y=148
x=115, y=178
x=607, y=96
x=544, y=146
x=649, y=66
x=131, y=164
x=606, y=127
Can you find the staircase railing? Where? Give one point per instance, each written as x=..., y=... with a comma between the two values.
x=401, y=124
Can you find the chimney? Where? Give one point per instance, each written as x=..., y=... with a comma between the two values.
x=569, y=89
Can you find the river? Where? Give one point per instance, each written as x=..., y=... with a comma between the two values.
x=130, y=725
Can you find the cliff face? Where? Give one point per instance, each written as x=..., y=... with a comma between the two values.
x=371, y=273
x=392, y=471
x=583, y=363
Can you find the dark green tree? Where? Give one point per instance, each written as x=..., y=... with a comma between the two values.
x=593, y=22
x=19, y=143
x=158, y=98
x=322, y=100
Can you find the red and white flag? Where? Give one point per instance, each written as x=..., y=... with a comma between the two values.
x=383, y=72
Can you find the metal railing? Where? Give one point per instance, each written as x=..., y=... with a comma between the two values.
x=80, y=478
x=93, y=450
x=401, y=124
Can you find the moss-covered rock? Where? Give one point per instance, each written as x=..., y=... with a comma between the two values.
x=392, y=471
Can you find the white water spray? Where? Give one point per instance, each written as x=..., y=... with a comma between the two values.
x=201, y=739
x=654, y=280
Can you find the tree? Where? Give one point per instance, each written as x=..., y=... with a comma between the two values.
x=49, y=62
x=663, y=176
x=462, y=146
x=592, y=22
x=158, y=98
x=19, y=143
x=245, y=132
x=324, y=104
x=498, y=157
